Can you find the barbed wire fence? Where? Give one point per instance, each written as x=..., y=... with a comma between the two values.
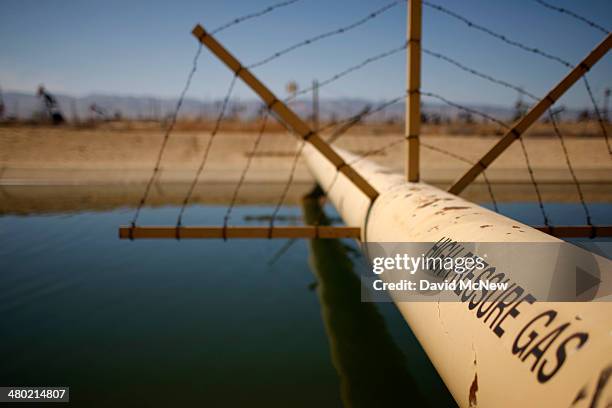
x=211, y=138
x=245, y=170
x=341, y=30
x=295, y=160
x=574, y=15
x=527, y=48
x=166, y=137
x=506, y=84
x=345, y=124
x=250, y=16
x=181, y=99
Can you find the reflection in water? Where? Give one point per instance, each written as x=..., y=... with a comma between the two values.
x=371, y=367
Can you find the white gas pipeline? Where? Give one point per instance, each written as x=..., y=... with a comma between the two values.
x=571, y=340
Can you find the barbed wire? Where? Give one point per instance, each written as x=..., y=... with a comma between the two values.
x=245, y=170
x=298, y=153
x=471, y=163
x=249, y=16
x=465, y=108
x=387, y=146
x=357, y=118
x=360, y=116
x=553, y=121
x=327, y=34
x=522, y=143
x=497, y=35
x=574, y=15
x=363, y=114
x=533, y=181
x=490, y=189
x=385, y=105
x=285, y=191
x=349, y=70
x=483, y=115
x=352, y=121
x=478, y=73
x=360, y=158
x=179, y=103
x=600, y=120
x=339, y=131
x=364, y=156
x=213, y=133
x=531, y=49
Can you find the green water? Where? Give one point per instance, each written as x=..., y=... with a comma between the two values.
x=198, y=323
x=155, y=323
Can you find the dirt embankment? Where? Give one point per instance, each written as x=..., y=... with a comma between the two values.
x=80, y=159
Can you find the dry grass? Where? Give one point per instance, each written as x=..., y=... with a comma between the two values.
x=105, y=166
x=124, y=151
x=540, y=129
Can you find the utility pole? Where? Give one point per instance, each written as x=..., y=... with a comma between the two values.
x=315, y=105
x=75, y=114
x=413, y=97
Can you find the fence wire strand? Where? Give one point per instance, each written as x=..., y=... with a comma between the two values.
x=246, y=168
x=179, y=103
x=363, y=114
x=553, y=121
x=249, y=16
x=465, y=108
x=522, y=143
x=327, y=34
x=497, y=35
x=283, y=196
x=556, y=129
x=533, y=181
x=478, y=73
x=574, y=15
x=427, y=146
x=213, y=133
x=600, y=119
x=160, y=154
x=349, y=70
x=363, y=157
x=465, y=160
x=348, y=122
x=531, y=49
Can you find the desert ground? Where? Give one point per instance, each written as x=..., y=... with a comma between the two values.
x=56, y=168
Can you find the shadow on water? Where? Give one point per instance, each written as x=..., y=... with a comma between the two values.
x=371, y=367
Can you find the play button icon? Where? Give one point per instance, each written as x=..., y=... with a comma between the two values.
x=585, y=281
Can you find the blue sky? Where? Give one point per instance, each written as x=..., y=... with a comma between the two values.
x=145, y=47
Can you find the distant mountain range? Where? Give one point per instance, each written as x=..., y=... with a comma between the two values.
x=25, y=106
